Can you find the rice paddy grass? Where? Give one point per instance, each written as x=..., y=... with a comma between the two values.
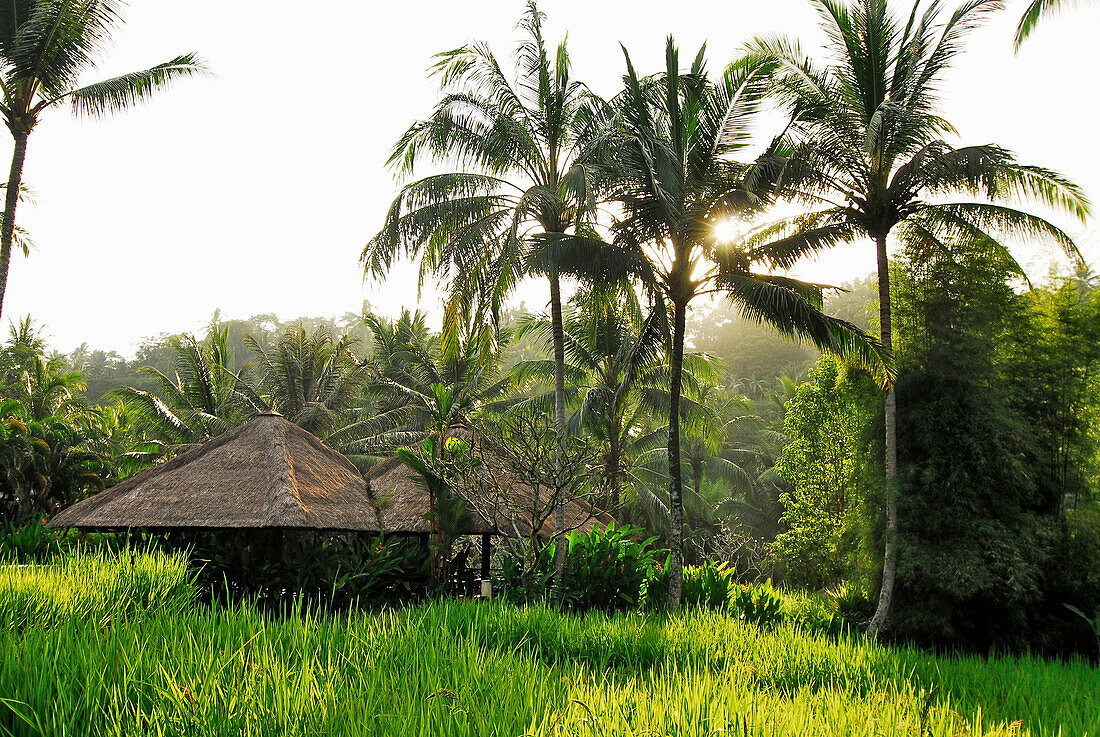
x=119, y=645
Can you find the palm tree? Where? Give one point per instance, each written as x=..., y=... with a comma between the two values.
x=45, y=46
x=201, y=399
x=524, y=201
x=705, y=440
x=48, y=387
x=868, y=151
x=1036, y=11
x=423, y=391
x=675, y=180
x=311, y=378
x=616, y=364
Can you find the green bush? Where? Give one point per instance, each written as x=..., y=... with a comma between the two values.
x=34, y=543
x=522, y=581
x=605, y=569
x=758, y=604
x=853, y=604
x=29, y=543
x=708, y=585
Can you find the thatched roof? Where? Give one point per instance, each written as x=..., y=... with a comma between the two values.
x=402, y=502
x=268, y=473
x=271, y=473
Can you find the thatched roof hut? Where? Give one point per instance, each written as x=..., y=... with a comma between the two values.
x=272, y=474
x=268, y=473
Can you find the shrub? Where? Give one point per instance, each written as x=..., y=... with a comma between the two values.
x=605, y=569
x=29, y=543
x=853, y=604
x=708, y=585
x=758, y=604
x=524, y=578
x=33, y=543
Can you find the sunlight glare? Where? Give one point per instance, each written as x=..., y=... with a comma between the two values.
x=729, y=231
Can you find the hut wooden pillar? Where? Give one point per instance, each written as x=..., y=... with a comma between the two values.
x=486, y=553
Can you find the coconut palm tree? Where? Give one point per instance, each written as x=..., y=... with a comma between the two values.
x=525, y=149
x=522, y=203
x=311, y=378
x=869, y=159
x=45, y=47
x=48, y=387
x=200, y=400
x=1036, y=11
x=675, y=181
x=617, y=373
x=421, y=390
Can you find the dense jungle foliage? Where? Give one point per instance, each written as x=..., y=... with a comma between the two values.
x=1002, y=522
x=916, y=454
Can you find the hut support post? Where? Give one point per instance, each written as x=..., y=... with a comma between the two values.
x=486, y=553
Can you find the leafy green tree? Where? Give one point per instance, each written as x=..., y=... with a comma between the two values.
x=870, y=159
x=675, y=179
x=45, y=47
x=981, y=535
x=825, y=464
x=1053, y=367
x=103, y=371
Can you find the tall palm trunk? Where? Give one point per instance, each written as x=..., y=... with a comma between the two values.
x=675, y=475
x=613, y=460
x=7, y=230
x=558, y=329
x=890, y=558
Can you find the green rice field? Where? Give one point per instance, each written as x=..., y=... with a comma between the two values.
x=119, y=645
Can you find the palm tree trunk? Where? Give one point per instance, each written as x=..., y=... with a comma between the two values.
x=614, y=452
x=675, y=476
x=7, y=229
x=558, y=329
x=890, y=558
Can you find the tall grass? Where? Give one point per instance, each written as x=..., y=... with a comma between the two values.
x=117, y=646
x=97, y=588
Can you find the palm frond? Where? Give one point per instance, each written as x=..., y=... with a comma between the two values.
x=122, y=92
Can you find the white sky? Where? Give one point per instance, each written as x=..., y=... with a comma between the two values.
x=255, y=190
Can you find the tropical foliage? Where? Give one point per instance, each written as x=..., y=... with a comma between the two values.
x=870, y=160
x=730, y=417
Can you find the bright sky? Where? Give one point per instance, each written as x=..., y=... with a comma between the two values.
x=254, y=191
